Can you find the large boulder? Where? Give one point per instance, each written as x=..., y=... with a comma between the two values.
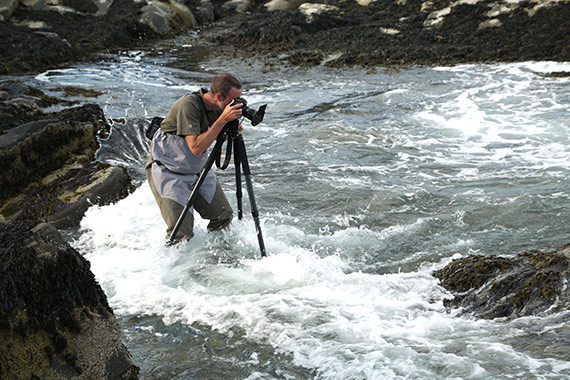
x=529, y=283
x=55, y=322
x=167, y=16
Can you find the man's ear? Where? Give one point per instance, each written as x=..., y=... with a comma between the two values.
x=220, y=97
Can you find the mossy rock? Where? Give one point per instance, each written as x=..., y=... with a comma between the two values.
x=494, y=286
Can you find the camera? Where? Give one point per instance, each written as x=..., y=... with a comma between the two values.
x=255, y=117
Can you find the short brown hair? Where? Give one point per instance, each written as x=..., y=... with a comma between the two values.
x=223, y=83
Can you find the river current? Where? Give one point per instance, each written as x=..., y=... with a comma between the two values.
x=365, y=182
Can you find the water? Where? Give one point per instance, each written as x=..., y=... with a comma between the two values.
x=366, y=183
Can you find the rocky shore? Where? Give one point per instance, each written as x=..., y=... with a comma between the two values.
x=370, y=33
x=54, y=318
x=36, y=35
x=55, y=322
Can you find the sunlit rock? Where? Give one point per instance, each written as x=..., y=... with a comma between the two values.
x=311, y=9
x=436, y=18
x=365, y=3
x=492, y=23
x=167, y=16
x=281, y=5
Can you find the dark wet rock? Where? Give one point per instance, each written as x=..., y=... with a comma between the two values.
x=388, y=32
x=558, y=74
x=40, y=36
x=35, y=149
x=529, y=283
x=55, y=322
x=63, y=198
x=7, y=7
x=49, y=172
x=36, y=40
x=54, y=318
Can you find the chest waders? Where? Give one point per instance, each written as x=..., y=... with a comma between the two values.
x=230, y=131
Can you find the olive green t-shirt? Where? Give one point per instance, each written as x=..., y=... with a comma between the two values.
x=186, y=118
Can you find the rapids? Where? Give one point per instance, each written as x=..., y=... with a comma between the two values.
x=365, y=183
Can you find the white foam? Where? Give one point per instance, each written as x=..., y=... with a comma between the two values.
x=307, y=299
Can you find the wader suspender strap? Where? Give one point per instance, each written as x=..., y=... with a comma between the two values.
x=229, y=145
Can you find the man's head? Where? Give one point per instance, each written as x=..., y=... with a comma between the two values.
x=225, y=87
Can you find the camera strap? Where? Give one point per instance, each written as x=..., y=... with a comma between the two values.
x=229, y=148
x=228, y=154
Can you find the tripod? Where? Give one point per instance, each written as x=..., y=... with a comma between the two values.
x=240, y=161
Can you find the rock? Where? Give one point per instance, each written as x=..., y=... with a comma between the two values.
x=529, y=283
x=166, y=17
x=81, y=30
x=55, y=322
x=205, y=12
x=282, y=5
x=35, y=149
x=34, y=4
x=492, y=23
x=82, y=6
x=48, y=160
x=239, y=6
x=63, y=197
x=7, y=7
x=398, y=32
x=435, y=19
x=363, y=32
x=310, y=9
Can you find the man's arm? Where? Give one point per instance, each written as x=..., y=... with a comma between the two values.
x=198, y=144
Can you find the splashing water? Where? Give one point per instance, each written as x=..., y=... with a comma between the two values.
x=365, y=183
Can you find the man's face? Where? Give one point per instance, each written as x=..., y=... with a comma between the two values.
x=234, y=93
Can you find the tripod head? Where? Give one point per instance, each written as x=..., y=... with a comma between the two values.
x=231, y=129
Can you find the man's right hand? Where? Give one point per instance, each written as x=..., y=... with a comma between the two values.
x=231, y=112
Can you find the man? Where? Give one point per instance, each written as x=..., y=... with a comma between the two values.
x=178, y=154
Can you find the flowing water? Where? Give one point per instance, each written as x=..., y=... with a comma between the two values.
x=365, y=183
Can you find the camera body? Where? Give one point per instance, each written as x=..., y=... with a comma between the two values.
x=255, y=117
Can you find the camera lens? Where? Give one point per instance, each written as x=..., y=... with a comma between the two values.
x=255, y=117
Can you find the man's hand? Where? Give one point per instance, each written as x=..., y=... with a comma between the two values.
x=231, y=112
x=199, y=143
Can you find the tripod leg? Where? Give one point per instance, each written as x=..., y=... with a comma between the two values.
x=207, y=166
x=240, y=155
x=239, y=194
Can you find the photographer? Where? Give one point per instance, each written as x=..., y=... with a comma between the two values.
x=178, y=153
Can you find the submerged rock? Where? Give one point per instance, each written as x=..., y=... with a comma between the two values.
x=55, y=322
x=529, y=283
